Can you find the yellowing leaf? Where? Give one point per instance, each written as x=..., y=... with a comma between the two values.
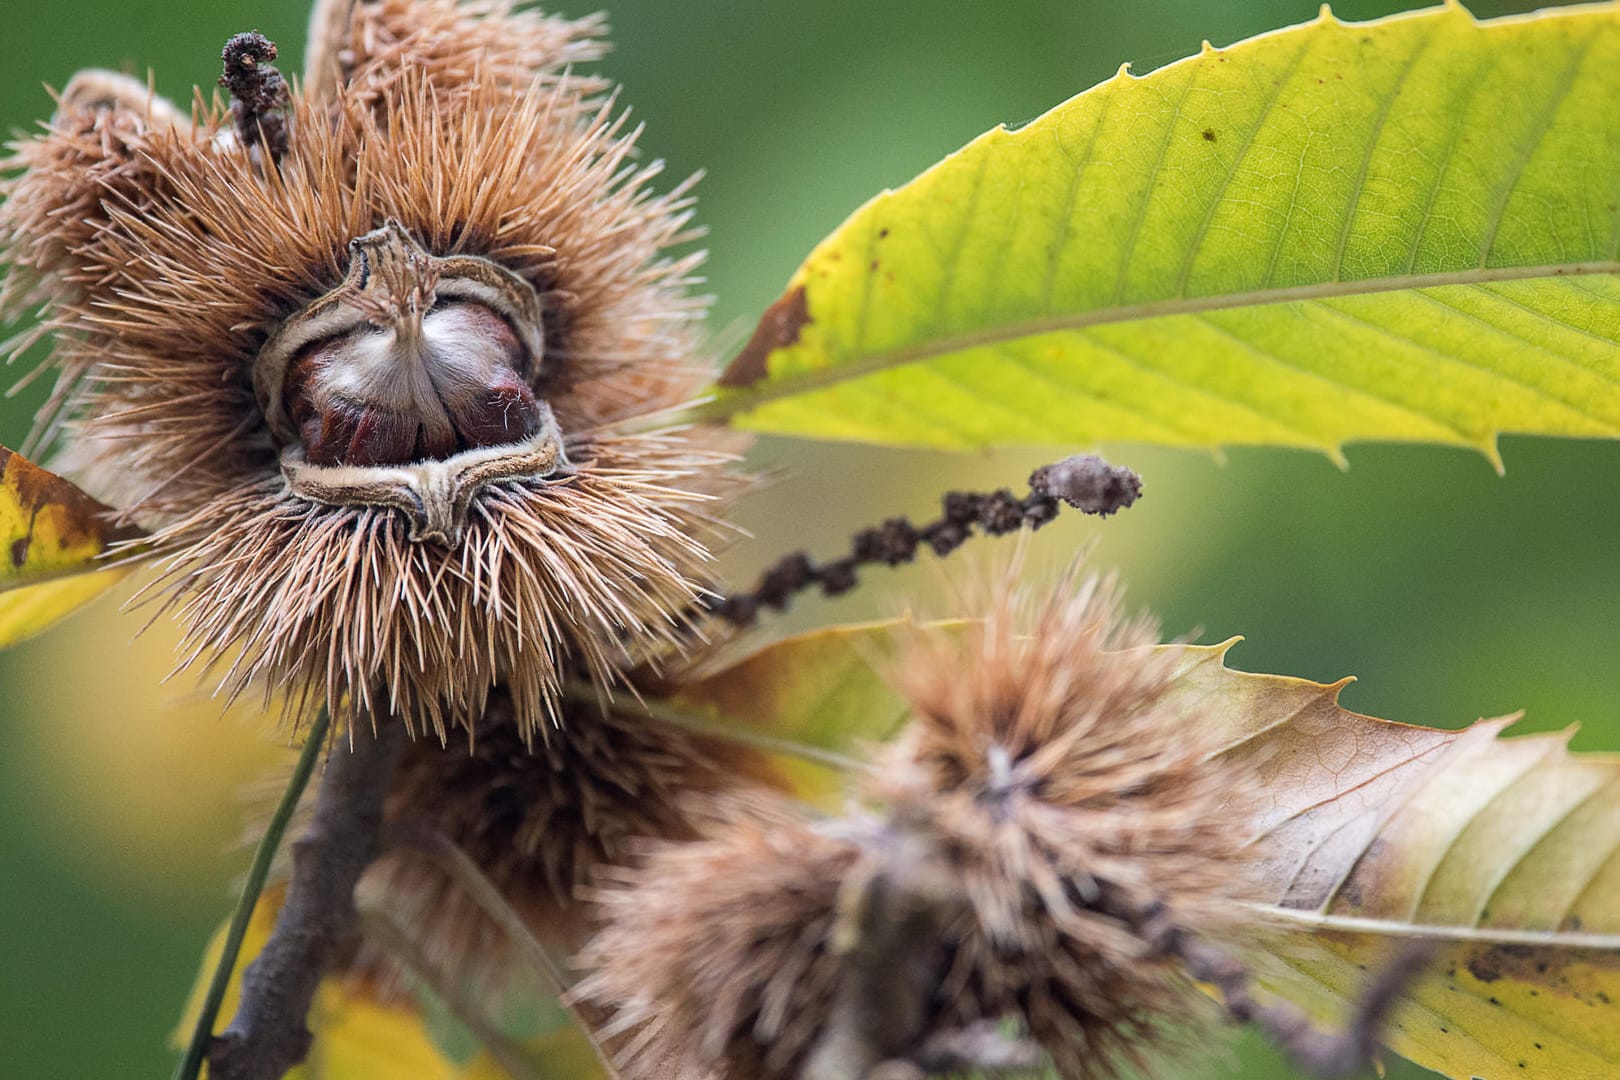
x=49, y=526
x=49, y=531
x=1402, y=230
x=357, y=1037
x=27, y=611
x=1505, y=852
x=258, y=932
x=818, y=692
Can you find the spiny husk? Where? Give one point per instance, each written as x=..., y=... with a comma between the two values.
x=160, y=311
x=336, y=605
x=165, y=256
x=713, y=957
x=1053, y=705
x=1054, y=787
x=364, y=46
x=541, y=822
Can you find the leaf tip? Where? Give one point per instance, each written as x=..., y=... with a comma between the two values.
x=1325, y=14
x=1124, y=72
x=778, y=328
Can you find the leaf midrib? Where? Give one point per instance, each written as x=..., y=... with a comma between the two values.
x=803, y=382
x=1452, y=932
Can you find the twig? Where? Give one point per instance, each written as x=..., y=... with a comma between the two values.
x=202, y=1032
x=269, y=1034
x=1321, y=1054
x=259, y=93
x=1084, y=481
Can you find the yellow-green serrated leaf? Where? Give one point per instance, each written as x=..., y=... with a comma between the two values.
x=1504, y=852
x=1405, y=229
x=51, y=534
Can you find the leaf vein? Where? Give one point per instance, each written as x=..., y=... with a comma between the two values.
x=1462, y=361
x=1380, y=121
x=1555, y=355
x=1538, y=128
x=804, y=381
x=1337, y=385
x=1457, y=112
x=1218, y=198
x=1421, y=892
x=1551, y=829
x=1072, y=198
x=1128, y=252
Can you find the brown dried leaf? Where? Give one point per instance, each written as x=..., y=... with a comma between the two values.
x=1503, y=852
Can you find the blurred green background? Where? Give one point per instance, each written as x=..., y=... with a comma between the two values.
x=1451, y=591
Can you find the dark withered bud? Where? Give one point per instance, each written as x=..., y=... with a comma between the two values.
x=1088, y=483
x=259, y=93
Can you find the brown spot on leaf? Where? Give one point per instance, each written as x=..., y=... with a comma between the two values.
x=1209, y=135
x=80, y=519
x=778, y=328
x=1483, y=969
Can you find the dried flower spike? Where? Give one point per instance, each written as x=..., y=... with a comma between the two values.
x=360, y=357
x=1083, y=481
x=1044, y=791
